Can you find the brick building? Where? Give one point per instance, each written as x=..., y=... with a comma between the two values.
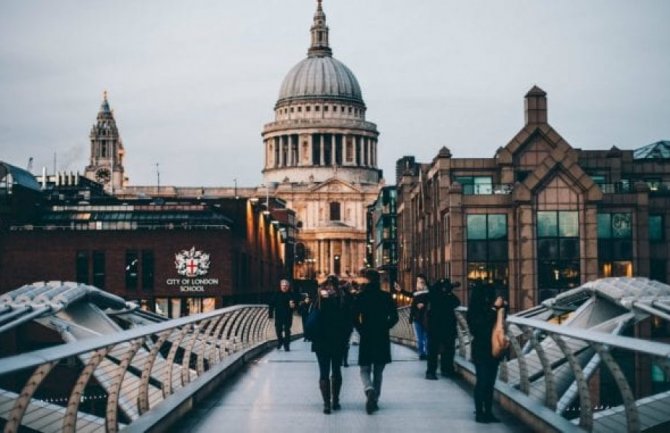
x=537, y=218
x=175, y=257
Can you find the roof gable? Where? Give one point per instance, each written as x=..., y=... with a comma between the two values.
x=335, y=185
x=566, y=162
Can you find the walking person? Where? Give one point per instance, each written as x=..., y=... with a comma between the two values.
x=303, y=309
x=281, y=309
x=374, y=315
x=441, y=320
x=417, y=315
x=482, y=313
x=329, y=326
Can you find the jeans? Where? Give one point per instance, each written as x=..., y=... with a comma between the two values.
x=327, y=363
x=371, y=376
x=421, y=338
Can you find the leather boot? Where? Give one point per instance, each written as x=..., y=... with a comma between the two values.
x=324, y=386
x=371, y=401
x=336, y=385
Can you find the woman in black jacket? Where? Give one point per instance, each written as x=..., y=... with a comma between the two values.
x=329, y=328
x=482, y=312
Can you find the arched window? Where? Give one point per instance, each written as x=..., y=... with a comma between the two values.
x=335, y=211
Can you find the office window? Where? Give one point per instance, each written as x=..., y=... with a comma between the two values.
x=148, y=267
x=558, y=252
x=82, y=267
x=487, y=252
x=99, y=269
x=475, y=185
x=615, y=244
x=656, y=228
x=132, y=267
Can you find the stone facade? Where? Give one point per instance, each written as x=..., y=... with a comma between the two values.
x=106, y=157
x=321, y=158
x=538, y=218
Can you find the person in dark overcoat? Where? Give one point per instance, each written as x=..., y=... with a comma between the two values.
x=281, y=309
x=441, y=326
x=481, y=317
x=329, y=328
x=374, y=315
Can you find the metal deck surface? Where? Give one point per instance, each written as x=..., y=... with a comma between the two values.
x=279, y=393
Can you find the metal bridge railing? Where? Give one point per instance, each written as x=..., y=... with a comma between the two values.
x=592, y=379
x=106, y=383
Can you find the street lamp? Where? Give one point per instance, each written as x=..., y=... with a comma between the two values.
x=267, y=187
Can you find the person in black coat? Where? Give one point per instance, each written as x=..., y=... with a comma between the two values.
x=482, y=313
x=441, y=320
x=350, y=293
x=281, y=309
x=374, y=315
x=329, y=328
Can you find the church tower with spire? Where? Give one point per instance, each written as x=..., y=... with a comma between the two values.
x=106, y=159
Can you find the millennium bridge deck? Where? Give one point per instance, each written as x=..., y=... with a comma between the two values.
x=593, y=359
x=279, y=393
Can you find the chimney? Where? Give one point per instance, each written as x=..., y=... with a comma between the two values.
x=536, y=106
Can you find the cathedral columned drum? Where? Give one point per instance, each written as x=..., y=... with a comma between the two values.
x=321, y=158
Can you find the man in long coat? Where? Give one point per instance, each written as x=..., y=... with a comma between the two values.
x=281, y=309
x=441, y=318
x=375, y=314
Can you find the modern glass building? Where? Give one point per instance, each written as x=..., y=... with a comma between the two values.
x=382, y=245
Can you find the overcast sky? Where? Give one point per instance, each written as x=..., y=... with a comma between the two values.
x=192, y=83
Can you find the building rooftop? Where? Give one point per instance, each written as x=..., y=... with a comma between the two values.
x=657, y=150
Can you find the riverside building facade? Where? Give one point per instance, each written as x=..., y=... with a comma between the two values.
x=537, y=218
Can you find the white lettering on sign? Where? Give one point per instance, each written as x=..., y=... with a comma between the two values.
x=191, y=289
x=191, y=285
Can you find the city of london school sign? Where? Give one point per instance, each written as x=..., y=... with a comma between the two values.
x=192, y=265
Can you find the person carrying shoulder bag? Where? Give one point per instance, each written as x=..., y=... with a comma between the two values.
x=482, y=315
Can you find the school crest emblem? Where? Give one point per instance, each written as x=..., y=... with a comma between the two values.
x=191, y=263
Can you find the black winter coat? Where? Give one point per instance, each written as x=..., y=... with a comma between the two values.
x=375, y=314
x=441, y=317
x=416, y=314
x=481, y=322
x=332, y=328
x=280, y=307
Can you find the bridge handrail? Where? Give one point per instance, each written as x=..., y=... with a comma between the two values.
x=131, y=372
x=574, y=379
x=36, y=358
x=596, y=337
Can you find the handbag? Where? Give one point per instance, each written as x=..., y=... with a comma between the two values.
x=499, y=341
